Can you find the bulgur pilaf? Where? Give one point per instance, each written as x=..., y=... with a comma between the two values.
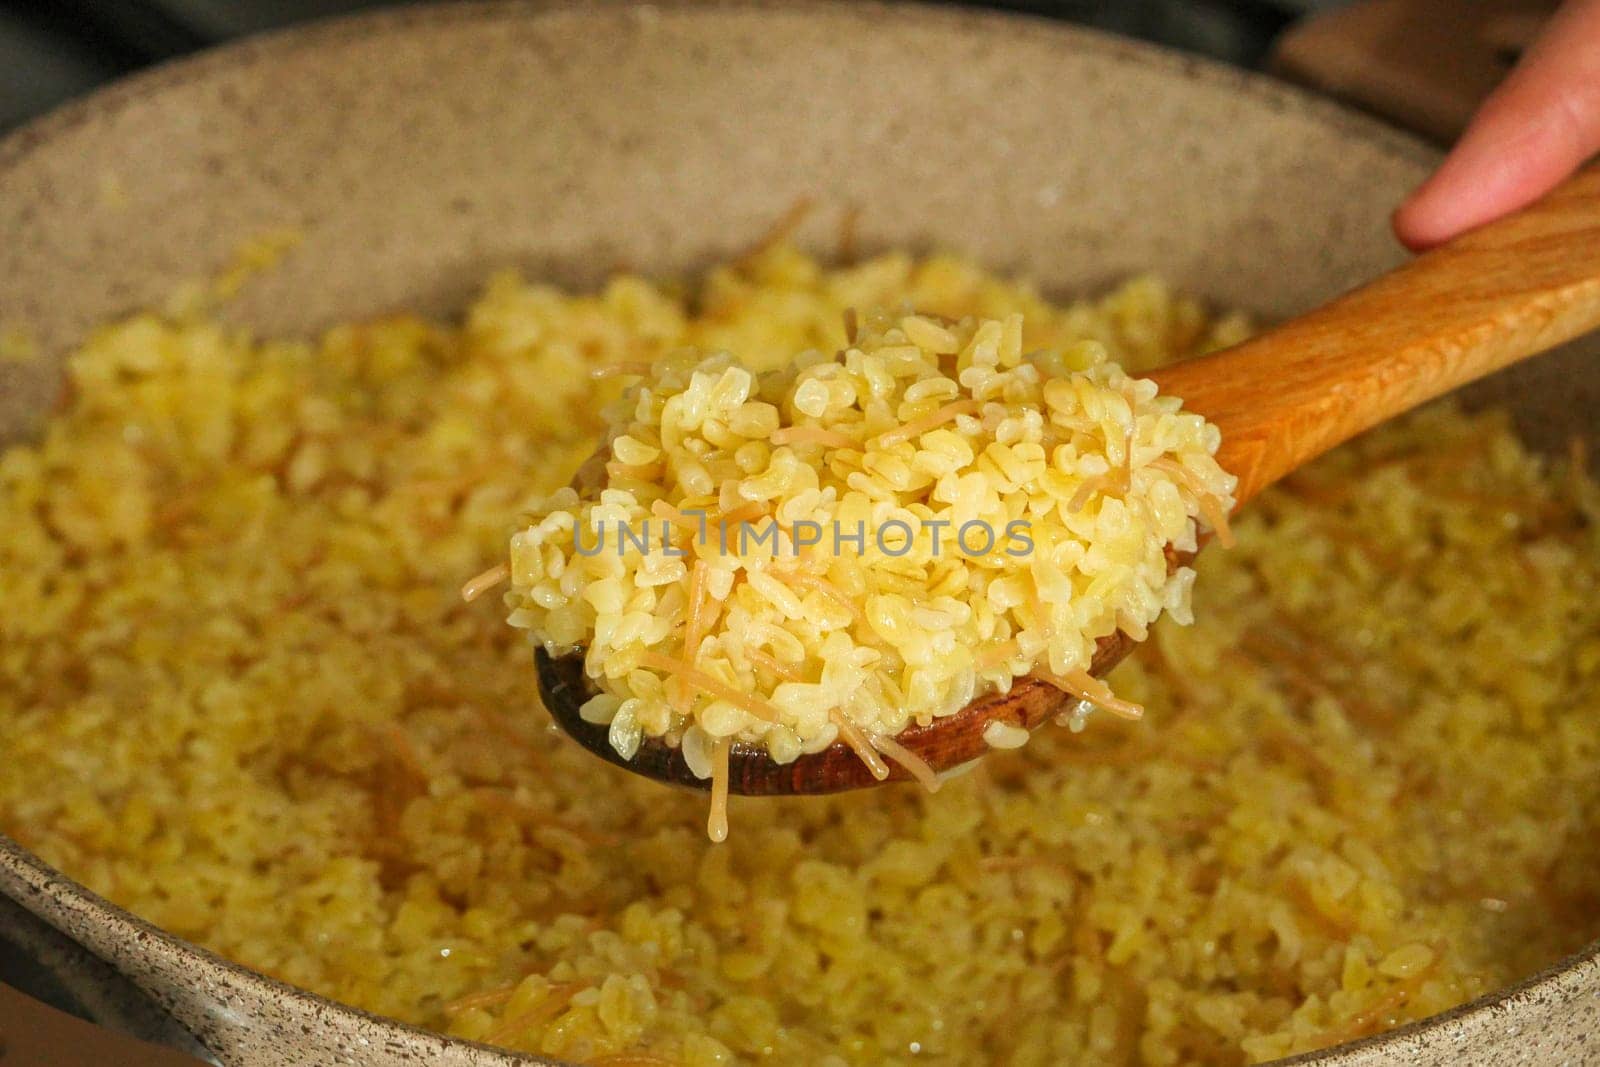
x=240, y=695
x=863, y=540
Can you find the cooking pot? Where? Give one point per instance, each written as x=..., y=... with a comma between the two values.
x=417, y=150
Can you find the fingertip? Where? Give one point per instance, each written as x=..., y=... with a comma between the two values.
x=1413, y=236
x=1415, y=229
x=1492, y=172
x=1420, y=222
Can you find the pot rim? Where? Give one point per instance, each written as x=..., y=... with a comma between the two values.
x=58, y=898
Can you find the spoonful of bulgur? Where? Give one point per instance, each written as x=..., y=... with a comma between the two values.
x=885, y=562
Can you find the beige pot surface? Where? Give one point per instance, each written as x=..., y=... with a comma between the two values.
x=418, y=150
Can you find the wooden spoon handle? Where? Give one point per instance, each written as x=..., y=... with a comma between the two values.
x=1498, y=294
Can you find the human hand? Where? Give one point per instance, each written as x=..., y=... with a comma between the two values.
x=1539, y=126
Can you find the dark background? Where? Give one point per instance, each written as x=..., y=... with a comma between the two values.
x=51, y=50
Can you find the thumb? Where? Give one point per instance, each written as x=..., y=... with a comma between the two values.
x=1538, y=127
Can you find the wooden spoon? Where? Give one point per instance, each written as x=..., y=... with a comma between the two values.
x=1506, y=291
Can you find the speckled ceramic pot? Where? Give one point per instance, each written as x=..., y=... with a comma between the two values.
x=418, y=150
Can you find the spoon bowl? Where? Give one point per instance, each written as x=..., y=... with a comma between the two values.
x=946, y=744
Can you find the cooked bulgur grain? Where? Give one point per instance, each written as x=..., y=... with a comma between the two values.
x=240, y=695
